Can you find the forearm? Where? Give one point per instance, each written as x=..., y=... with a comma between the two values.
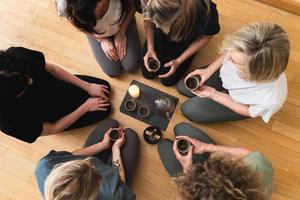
x=217, y=64
x=195, y=46
x=63, y=75
x=234, y=151
x=116, y=157
x=126, y=22
x=63, y=123
x=149, y=26
x=90, y=150
x=228, y=102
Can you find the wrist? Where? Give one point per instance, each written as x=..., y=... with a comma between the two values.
x=103, y=145
x=151, y=48
x=87, y=86
x=186, y=167
x=214, y=95
x=84, y=108
x=103, y=39
x=116, y=151
x=180, y=60
x=210, y=148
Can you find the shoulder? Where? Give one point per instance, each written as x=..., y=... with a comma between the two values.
x=208, y=24
x=258, y=161
x=53, y=158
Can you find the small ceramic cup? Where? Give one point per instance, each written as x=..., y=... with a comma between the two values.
x=114, y=135
x=144, y=111
x=153, y=64
x=130, y=105
x=192, y=82
x=183, y=146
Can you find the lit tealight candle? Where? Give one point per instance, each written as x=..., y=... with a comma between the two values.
x=134, y=91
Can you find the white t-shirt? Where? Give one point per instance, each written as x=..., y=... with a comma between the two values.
x=264, y=99
x=108, y=25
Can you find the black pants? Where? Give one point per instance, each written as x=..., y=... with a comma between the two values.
x=130, y=150
x=71, y=97
x=166, y=51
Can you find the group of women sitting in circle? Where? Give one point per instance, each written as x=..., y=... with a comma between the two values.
x=246, y=80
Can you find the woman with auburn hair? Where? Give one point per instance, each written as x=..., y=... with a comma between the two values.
x=246, y=80
x=175, y=31
x=212, y=172
x=100, y=170
x=110, y=28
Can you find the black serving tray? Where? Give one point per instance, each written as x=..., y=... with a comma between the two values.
x=147, y=97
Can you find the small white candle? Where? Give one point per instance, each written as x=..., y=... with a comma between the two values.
x=134, y=91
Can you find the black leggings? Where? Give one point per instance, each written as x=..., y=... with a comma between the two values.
x=166, y=51
x=71, y=97
x=130, y=150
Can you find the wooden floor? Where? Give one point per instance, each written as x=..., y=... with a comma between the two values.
x=34, y=24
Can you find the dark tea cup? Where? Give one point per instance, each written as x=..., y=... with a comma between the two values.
x=193, y=82
x=153, y=64
x=114, y=135
x=183, y=146
x=144, y=111
x=130, y=105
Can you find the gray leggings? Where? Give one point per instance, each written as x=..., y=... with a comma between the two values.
x=130, y=150
x=206, y=110
x=166, y=153
x=131, y=60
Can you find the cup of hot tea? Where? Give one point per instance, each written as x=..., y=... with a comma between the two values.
x=153, y=65
x=193, y=82
x=144, y=111
x=183, y=146
x=130, y=105
x=114, y=135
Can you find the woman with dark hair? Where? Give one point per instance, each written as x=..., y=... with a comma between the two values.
x=111, y=30
x=40, y=98
x=212, y=172
x=176, y=30
x=100, y=170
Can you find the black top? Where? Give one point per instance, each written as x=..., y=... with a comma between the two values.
x=22, y=117
x=205, y=25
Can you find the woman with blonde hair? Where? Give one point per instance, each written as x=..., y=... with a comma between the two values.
x=246, y=80
x=176, y=30
x=101, y=170
x=215, y=172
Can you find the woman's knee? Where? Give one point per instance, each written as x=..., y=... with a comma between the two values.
x=113, y=73
x=112, y=123
x=182, y=128
x=164, y=145
x=190, y=110
x=169, y=81
x=132, y=136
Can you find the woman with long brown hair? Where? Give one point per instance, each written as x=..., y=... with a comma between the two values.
x=111, y=30
x=176, y=30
